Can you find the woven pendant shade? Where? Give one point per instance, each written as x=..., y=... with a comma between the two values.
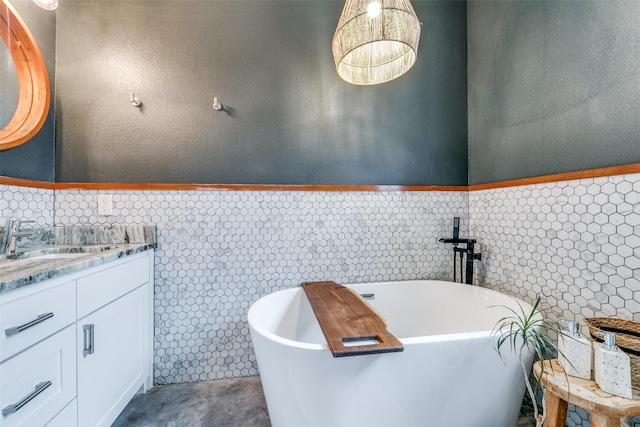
x=376, y=40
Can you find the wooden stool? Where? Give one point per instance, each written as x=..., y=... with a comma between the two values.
x=606, y=409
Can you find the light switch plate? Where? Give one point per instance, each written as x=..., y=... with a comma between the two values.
x=105, y=204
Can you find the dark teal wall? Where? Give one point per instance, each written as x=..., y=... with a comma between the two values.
x=289, y=119
x=35, y=158
x=553, y=87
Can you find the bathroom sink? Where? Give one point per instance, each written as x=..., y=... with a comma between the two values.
x=59, y=252
x=58, y=255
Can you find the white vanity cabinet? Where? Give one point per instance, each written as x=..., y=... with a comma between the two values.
x=75, y=349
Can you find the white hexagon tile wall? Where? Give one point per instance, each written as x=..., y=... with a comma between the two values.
x=25, y=203
x=577, y=242
x=219, y=251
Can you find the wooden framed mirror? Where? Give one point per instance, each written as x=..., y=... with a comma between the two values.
x=34, y=92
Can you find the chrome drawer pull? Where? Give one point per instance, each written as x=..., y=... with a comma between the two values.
x=88, y=339
x=16, y=329
x=40, y=387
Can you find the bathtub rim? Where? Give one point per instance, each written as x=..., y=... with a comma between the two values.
x=253, y=324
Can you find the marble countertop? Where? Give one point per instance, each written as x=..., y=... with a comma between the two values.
x=69, y=253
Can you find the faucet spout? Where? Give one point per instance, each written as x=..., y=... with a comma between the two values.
x=11, y=231
x=456, y=241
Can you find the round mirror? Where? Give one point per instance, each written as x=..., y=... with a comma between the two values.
x=33, y=95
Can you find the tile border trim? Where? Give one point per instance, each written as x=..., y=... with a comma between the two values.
x=566, y=176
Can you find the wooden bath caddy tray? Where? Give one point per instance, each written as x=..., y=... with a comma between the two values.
x=347, y=319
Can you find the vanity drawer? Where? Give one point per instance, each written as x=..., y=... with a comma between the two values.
x=99, y=289
x=33, y=314
x=37, y=384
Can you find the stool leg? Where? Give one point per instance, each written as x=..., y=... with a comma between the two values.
x=599, y=420
x=556, y=411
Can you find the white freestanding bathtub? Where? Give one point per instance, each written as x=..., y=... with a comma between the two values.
x=448, y=375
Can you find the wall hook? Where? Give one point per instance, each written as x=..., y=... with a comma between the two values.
x=216, y=105
x=135, y=101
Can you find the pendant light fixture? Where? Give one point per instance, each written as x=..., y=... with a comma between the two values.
x=47, y=4
x=376, y=40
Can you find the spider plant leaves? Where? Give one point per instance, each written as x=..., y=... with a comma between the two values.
x=524, y=330
x=527, y=330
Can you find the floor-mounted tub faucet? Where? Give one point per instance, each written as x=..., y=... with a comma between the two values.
x=11, y=231
x=469, y=250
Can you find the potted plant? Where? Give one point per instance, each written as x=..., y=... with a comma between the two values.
x=522, y=332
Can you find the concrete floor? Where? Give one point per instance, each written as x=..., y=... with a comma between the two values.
x=237, y=402
x=221, y=403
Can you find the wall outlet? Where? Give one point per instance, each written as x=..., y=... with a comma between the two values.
x=105, y=204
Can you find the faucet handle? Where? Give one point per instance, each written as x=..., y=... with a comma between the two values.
x=18, y=223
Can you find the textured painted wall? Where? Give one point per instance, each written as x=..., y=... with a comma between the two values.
x=35, y=158
x=553, y=87
x=289, y=119
x=576, y=241
x=220, y=251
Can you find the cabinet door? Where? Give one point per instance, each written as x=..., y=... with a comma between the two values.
x=112, y=363
x=68, y=417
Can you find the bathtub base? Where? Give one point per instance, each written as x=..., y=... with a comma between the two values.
x=395, y=389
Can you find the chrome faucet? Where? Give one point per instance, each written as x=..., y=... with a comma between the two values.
x=11, y=231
